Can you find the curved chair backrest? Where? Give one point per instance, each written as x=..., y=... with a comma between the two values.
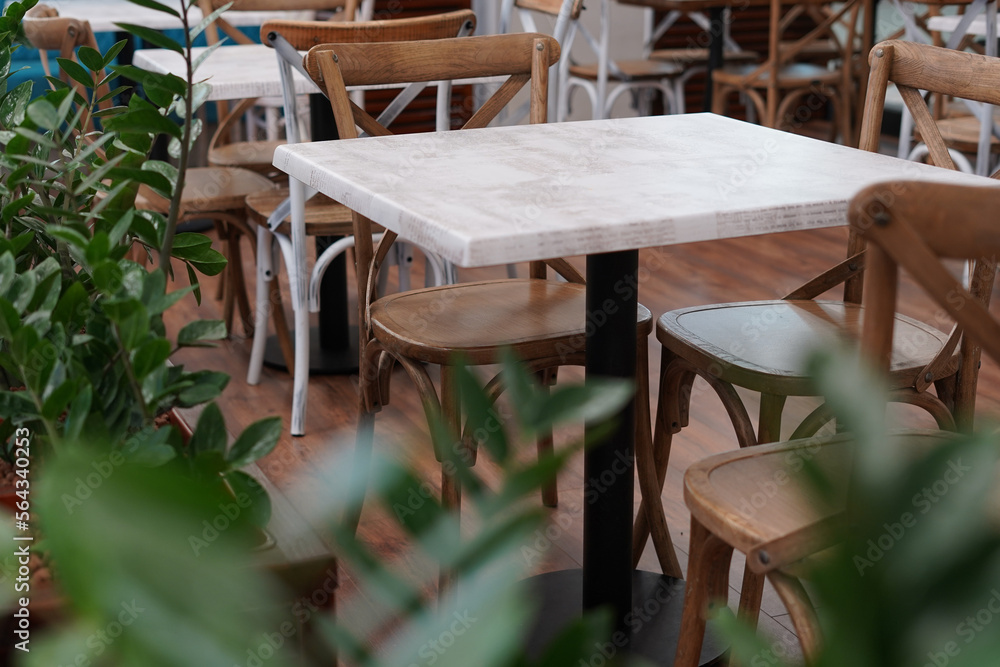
x=46, y=31
x=915, y=68
x=523, y=58
x=349, y=7
x=913, y=226
x=304, y=35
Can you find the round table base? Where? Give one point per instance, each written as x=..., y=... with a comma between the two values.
x=655, y=621
x=322, y=361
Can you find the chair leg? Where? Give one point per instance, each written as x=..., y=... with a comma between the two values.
x=801, y=611
x=361, y=466
x=652, y=458
x=451, y=494
x=707, y=582
x=768, y=430
x=298, y=278
x=545, y=444
x=265, y=276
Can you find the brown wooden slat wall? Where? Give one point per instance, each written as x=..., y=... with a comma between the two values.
x=420, y=115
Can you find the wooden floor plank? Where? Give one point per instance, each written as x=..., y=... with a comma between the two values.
x=731, y=270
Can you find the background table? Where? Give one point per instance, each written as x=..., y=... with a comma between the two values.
x=604, y=189
x=104, y=14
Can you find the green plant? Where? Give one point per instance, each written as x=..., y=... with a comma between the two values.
x=83, y=347
x=131, y=541
x=915, y=576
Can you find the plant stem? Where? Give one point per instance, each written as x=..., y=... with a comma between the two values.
x=175, y=201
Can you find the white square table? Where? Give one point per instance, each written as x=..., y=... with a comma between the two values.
x=602, y=189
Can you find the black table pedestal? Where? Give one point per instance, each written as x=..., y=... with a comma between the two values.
x=652, y=625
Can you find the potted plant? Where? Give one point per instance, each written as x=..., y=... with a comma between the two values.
x=84, y=355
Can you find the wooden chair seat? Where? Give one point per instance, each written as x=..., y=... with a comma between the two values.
x=324, y=217
x=962, y=134
x=720, y=490
x=535, y=318
x=210, y=189
x=762, y=345
x=795, y=75
x=253, y=155
x=700, y=56
x=631, y=70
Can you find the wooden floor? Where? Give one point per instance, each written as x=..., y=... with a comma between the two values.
x=671, y=277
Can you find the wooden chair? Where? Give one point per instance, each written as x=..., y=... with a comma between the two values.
x=594, y=78
x=534, y=317
x=46, y=31
x=276, y=220
x=223, y=151
x=908, y=225
x=712, y=341
x=790, y=73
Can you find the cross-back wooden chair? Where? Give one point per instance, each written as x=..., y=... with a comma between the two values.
x=605, y=79
x=318, y=215
x=789, y=75
x=533, y=317
x=46, y=31
x=908, y=225
x=712, y=342
x=223, y=151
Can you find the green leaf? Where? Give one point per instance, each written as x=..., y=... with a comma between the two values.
x=151, y=36
x=10, y=321
x=16, y=405
x=12, y=110
x=147, y=177
x=113, y=52
x=152, y=4
x=210, y=434
x=483, y=421
x=207, y=21
x=15, y=207
x=76, y=72
x=150, y=356
x=195, y=285
x=78, y=411
x=205, y=54
x=255, y=442
x=70, y=236
x=98, y=248
x=58, y=399
x=92, y=58
x=144, y=121
x=134, y=327
x=43, y=114
x=194, y=333
x=247, y=489
x=198, y=394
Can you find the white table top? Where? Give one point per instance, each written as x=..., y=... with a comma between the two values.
x=511, y=194
x=950, y=23
x=234, y=71
x=104, y=14
x=239, y=71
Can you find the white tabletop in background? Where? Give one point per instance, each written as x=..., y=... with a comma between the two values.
x=104, y=14
x=234, y=72
x=239, y=71
x=949, y=23
x=511, y=194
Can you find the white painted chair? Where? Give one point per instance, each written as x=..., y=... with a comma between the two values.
x=285, y=229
